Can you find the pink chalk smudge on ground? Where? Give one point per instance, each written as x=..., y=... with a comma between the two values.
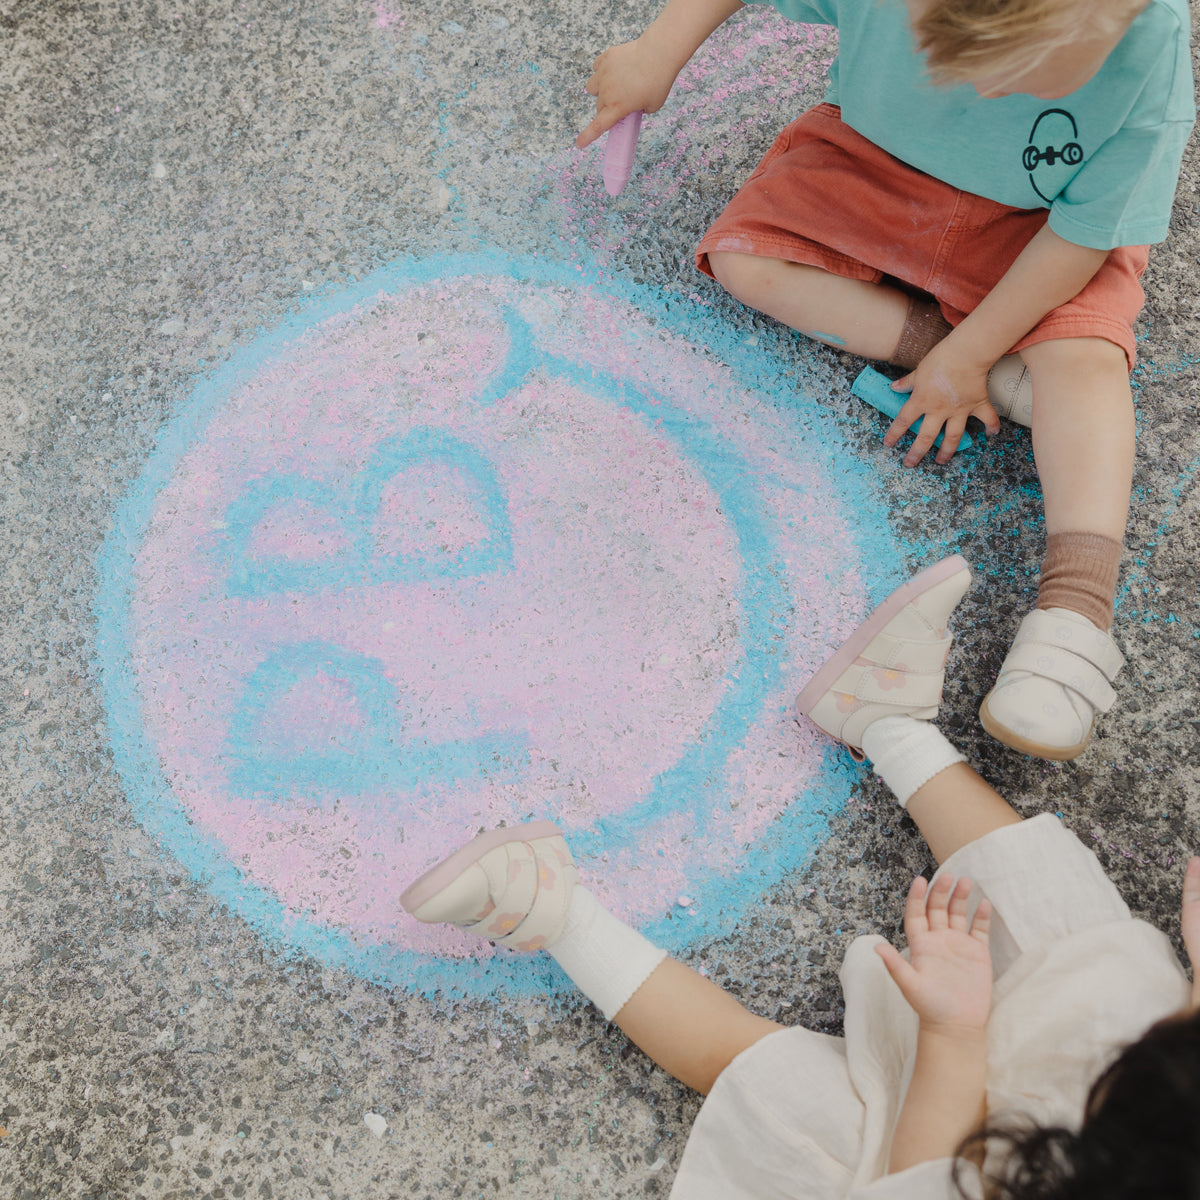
x=386, y=17
x=606, y=645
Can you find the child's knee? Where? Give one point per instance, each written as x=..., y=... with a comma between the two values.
x=1086, y=359
x=748, y=277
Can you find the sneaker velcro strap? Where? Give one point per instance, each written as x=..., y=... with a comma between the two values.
x=548, y=910
x=513, y=884
x=1065, y=667
x=903, y=653
x=1090, y=644
x=883, y=685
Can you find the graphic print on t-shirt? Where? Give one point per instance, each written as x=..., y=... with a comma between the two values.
x=1053, y=154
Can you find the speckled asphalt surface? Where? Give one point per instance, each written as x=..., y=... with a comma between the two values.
x=173, y=182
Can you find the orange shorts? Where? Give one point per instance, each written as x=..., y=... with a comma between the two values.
x=826, y=196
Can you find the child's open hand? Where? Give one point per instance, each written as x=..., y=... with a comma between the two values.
x=624, y=79
x=946, y=390
x=948, y=978
x=1189, y=922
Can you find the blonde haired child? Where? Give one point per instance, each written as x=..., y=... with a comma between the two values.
x=988, y=238
x=979, y=1048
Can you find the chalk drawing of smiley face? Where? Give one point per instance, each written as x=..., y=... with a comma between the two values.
x=482, y=541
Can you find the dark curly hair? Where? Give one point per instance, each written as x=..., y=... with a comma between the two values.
x=1140, y=1137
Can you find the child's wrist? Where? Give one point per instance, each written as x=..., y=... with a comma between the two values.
x=664, y=50
x=968, y=1037
x=970, y=348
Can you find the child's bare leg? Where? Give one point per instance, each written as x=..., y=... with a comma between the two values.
x=863, y=318
x=688, y=1025
x=1083, y=434
x=519, y=887
x=957, y=807
x=1058, y=675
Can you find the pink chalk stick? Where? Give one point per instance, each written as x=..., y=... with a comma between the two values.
x=619, y=149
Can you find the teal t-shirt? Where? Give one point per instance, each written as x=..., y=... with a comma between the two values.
x=1105, y=159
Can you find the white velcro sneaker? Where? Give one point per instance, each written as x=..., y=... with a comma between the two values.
x=1056, y=678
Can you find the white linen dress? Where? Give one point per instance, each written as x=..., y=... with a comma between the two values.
x=806, y=1116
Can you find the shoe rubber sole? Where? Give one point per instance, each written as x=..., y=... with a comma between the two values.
x=862, y=637
x=1014, y=741
x=449, y=869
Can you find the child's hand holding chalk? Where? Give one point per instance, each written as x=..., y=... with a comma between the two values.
x=627, y=80
x=876, y=390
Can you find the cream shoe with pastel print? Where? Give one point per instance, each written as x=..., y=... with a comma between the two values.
x=893, y=663
x=512, y=886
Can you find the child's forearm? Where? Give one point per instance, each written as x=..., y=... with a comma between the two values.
x=683, y=26
x=1048, y=272
x=946, y=1098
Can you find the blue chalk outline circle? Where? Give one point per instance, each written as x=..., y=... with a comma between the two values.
x=696, y=779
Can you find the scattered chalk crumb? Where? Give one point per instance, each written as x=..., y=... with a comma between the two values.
x=158, y=171
x=375, y=1123
x=683, y=901
x=172, y=326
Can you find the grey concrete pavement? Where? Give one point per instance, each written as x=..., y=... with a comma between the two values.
x=173, y=183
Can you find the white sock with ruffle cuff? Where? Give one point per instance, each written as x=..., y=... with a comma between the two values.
x=606, y=959
x=906, y=753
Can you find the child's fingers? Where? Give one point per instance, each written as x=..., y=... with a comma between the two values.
x=923, y=443
x=897, y=429
x=898, y=967
x=906, y=418
x=603, y=121
x=937, y=902
x=951, y=436
x=1191, y=881
x=956, y=908
x=915, y=922
x=987, y=414
x=981, y=922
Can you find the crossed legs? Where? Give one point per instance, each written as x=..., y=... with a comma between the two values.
x=1083, y=439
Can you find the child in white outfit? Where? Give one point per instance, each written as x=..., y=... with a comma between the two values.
x=1025, y=977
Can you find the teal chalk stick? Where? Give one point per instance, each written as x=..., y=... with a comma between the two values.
x=876, y=390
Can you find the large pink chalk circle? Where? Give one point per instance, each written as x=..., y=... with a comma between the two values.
x=479, y=544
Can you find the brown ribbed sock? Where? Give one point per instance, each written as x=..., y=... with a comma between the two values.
x=924, y=327
x=1079, y=572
